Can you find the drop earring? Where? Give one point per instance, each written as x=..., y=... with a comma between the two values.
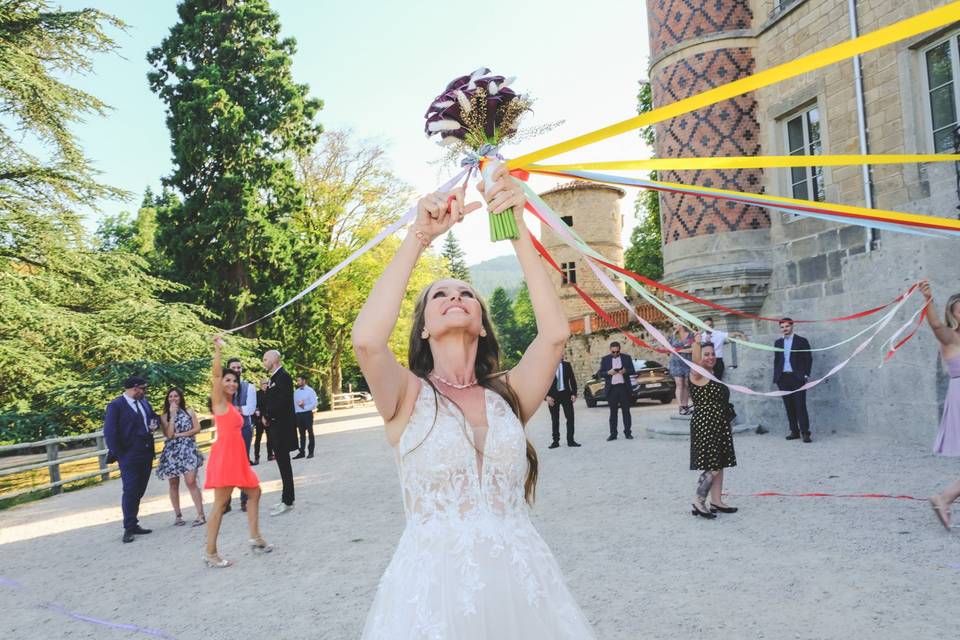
x=483, y=332
x=425, y=334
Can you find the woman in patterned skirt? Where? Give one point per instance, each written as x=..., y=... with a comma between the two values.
x=681, y=339
x=180, y=456
x=711, y=436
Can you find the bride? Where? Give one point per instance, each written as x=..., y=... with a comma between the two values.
x=469, y=563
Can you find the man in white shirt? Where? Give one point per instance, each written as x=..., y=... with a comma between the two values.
x=304, y=402
x=615, y=370
x=792, y=364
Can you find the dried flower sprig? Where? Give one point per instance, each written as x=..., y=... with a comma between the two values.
x=477, y=114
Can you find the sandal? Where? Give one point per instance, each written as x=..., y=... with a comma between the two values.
x=216, y=562
x=942, y=514
x=259, y=545
x=179, y=522
x=199, y=522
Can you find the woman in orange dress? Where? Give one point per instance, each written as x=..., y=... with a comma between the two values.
x=228, y=466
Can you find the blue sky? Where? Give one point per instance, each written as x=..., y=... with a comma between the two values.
x=377, y=65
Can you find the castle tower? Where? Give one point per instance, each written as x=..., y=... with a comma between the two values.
x=713, y=249
x=593, y=211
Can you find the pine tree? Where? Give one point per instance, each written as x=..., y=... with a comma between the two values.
x=505, y=324
x=526, y=322
x=455, y=258
x=236, y=117
x=75, y=321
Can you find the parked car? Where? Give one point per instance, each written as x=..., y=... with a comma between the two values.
x=651, y=382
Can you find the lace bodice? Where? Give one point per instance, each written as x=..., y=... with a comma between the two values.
x=440, y=473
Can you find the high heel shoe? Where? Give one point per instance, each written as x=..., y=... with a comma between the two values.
x=715, y=508
x=259, y=545
x=697, y=511
x=214, y=561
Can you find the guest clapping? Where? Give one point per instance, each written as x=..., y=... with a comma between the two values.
x=180, y=456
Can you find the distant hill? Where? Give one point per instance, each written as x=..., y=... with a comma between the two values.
x=503, y=271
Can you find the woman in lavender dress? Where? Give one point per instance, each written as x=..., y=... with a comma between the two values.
x=948, y=437
x=180, y=456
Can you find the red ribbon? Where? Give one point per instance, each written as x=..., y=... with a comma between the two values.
x=590, y=301
x=720, y=307
x=777, y=494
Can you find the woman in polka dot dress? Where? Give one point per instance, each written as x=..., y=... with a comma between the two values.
x=711, y=437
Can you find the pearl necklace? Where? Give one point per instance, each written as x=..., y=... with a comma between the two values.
x=453, y=384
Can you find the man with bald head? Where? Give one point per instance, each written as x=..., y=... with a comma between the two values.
x=278, y=417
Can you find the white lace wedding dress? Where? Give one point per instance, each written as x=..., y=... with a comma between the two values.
x=470, y=564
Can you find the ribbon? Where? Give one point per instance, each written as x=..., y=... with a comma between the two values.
x=777, y=494
x=388, y=230
x=896, y=32
x=917, y=224
x=540, y=209
x=564, y=232
x=747, y=162
x=52, y=606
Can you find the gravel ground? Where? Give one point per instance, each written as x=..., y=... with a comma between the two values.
x=616, y=514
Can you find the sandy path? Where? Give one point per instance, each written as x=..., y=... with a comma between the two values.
x=615, y=515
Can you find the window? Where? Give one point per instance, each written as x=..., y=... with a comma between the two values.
x=942, y=67
x=567, y=220
x=803, y=139
x=568, y=273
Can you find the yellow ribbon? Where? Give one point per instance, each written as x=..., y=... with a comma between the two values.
x=746, y=162
x=881, y=37
x=897, y=217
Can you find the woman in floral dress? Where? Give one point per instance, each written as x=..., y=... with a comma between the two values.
x=180, y=456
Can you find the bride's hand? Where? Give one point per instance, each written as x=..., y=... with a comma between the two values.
x=437, y=212
x=504, y=193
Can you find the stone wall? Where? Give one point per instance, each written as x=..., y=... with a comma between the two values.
x=819, y=269
x=594, y=211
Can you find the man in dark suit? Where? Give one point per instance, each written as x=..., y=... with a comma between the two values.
x=278, y=417
x=128, y=429
x=791, y=368
x=616, y=369
x=562, y=393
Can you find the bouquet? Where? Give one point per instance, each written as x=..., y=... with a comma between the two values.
x=477, y=114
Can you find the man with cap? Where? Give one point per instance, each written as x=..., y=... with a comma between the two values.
x=128, y=429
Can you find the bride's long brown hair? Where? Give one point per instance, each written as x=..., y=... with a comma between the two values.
x=486, y=368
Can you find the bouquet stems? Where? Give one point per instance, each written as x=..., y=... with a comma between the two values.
x=503, y=225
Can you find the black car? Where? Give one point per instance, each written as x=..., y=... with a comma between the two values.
x=651, y=382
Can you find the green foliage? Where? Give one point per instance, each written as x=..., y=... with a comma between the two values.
x=123, y=232
x=455, y=257
x=524, y=321
x=75, y=321
x=502, y=271
x=645, y=253
x=504, y=322
x=350, y=196
x=236, y=118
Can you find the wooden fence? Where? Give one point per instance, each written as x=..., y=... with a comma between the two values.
x=53, y=461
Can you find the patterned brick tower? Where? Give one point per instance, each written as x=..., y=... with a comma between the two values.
x=715, y=249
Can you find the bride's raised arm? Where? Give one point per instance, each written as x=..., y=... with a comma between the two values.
x=387, y=379
x=532, y=376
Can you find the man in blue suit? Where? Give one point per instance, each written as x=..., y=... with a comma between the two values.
x=128, y=429
x=616, y=369
x=791, y=369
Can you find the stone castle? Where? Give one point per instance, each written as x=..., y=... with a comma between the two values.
x=903, y=98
